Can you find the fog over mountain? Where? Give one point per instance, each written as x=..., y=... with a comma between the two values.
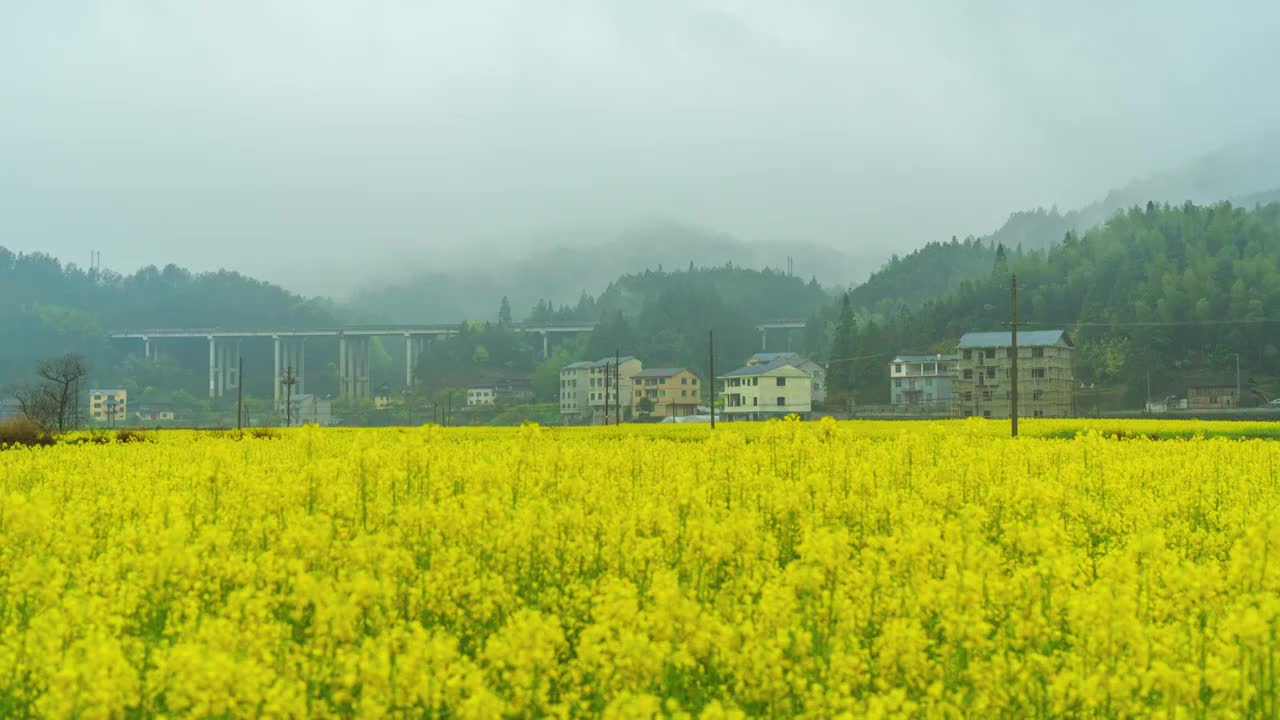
x=329, y=145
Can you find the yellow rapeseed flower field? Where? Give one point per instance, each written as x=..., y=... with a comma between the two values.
x=780, y=569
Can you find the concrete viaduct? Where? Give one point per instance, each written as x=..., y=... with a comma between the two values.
x=353, y=349
x=291, y=350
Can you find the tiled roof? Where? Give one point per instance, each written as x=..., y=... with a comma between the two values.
x=1030, y=338
x=767, y=357
x=659, y=372
x=762, y=369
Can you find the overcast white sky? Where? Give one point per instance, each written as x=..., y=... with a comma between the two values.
x=315, y=141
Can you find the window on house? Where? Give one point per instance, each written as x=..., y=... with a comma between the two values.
x=991, y=372
x=1037, y=352
x=989, y=353
x=897, y=383
x=781, y=401
x=968, y=354
x=1037, y=394
x=968, y=374
x=782, y=381
x=968, y=395
x=986, y=395
x=986, y=413
x=1037, y=372
x=897, y=368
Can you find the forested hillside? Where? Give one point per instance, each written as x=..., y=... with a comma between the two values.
x=47, y=308
x=1173, y=291
x=933, y=270
x=659, y=316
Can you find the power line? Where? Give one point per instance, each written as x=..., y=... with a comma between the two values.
x=1153, y=323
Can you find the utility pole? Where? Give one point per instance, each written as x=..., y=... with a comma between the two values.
x=606, y=392
x=240, y=395
x=1238, y=397
x=287, y=379
x=1013, y=368
x=448, y=409
x=617, y=386
x=711, y=368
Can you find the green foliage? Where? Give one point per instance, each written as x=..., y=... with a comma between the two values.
x=1162, y=290
x=48, y=309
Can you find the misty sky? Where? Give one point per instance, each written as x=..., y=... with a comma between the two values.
x=313, y=141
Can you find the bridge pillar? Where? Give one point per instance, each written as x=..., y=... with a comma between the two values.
x=301, y=373
x=362, y=368
x=546, y=345
x=344, y=391
x=221, y=371
x=213, y=366
x=233, y=365
x=275, y=381
x=146, y=348
x=764, y=339
x=409, y=342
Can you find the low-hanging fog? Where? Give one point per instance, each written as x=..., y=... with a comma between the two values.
x=321, y=144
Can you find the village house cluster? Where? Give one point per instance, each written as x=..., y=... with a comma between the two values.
x=977, y=380
x=768, y=385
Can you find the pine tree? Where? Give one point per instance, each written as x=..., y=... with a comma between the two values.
x=504, y=312
x=839, y=367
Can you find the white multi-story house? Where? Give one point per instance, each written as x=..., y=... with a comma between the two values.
x=816, y=372
x=766, y=390
x=921, y=379
x=480, y=396
x=584, y=394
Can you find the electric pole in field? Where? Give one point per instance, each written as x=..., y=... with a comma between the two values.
x=606, y=392
x=711, y=369
x=287, y=379
x=617, y=386
x=1013, y=367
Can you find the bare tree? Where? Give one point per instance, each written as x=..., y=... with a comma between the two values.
x=54, y=403
x=36, y=403
x=62, y=377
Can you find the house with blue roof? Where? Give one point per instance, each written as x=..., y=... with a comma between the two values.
x=766, y=390
x=921, y=380
x=981, y=378
x=817, y=373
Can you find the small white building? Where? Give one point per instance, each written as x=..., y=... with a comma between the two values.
x=310, y=409
x=921, y=379
x=816, y=372
x=477, y=397
x=766, y=390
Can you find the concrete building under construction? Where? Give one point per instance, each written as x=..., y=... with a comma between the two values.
x=981, y=375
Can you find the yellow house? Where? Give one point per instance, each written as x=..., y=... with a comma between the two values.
x=669, y=392
x=759, y=392
x=108, y=405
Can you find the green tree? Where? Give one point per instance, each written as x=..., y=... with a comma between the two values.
x=504, y=312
